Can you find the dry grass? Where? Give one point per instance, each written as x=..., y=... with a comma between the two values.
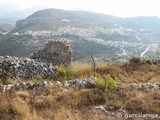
x=82, y=70
x=133, y=71
x=22, y=94
x=101, y=66
x=145, y=103
x=66, y=114
x=57, y=103
x=48, y=104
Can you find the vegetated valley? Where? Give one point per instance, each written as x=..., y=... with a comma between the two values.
x=115, y=68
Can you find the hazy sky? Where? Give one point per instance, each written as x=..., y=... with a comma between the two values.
x=123, y=8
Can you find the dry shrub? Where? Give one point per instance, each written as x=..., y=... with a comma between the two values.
x=76, y=104
x=23, y=94
x=134, y=105
x=41, y=103
x=101, y=66
x=22, y=110
x=52, y=105
x=134, y=64
x=82, y=70
x=116, y=70
x=20, y=107
x=114, y=103
x=155, y=95
x=57, y=103
x=5, y=111
x=3, y=101
x=91, y=97
x=136, y=70
x=65, y=114
x=152, y=106
x=94, y=114
x=152, y=102
x=81, y=98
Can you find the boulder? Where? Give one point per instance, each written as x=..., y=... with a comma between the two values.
x=55, y=52
x=22, y=68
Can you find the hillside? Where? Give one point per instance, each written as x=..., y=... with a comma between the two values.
x=50, y=19
x=107, y=37
x=117, y=91
x=6, y=27
x=1, y=29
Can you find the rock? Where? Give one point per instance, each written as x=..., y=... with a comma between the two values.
x=66, y=84
x=156, y=86
x=102, y=107
x=84, y=83
x=145, y=85
x=55, y=52
x=134, y=86
x=21, y=68
x=57, y=83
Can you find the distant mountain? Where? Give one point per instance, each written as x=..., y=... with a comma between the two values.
x=1, y=29
x=50, y=19
x=106, y=36
x=6, y=27
x=150, y=23
x=10, y=13
x=5, y=19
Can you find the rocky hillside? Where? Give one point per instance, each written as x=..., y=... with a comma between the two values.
x=16, y=45
x=23, y=45
x=118, y=91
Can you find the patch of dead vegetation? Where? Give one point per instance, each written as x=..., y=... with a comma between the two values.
x=57, y=103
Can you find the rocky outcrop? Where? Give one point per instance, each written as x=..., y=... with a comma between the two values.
x=55, y=51
x=83, y=83
x=21, y=68
x=146, y=85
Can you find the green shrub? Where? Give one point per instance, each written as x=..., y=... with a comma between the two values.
x=64, y=72
x=107, y=82
x=149, y=61
x=141, y=60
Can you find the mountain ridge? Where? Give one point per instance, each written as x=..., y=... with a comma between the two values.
x=50, y=19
